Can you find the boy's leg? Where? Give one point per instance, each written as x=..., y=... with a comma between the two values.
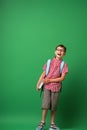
x=53, y=113
x=45, y=107
x=54, y=101
x=45, y=104
x=42, y=123
x=44, y=113
x=52, y=123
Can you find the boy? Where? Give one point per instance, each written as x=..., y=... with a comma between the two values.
x=52, y=87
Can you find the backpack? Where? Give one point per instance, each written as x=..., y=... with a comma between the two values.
x=47, y=71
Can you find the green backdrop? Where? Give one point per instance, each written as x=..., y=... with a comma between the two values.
x=29, y=32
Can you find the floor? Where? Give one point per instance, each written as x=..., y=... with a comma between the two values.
x=23, y=123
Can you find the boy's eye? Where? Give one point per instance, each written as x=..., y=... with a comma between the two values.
x=61, y=50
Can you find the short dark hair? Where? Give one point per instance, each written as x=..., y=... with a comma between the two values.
x=61, y=45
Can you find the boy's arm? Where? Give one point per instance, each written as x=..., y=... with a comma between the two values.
x=59, y=79
x=40, y=79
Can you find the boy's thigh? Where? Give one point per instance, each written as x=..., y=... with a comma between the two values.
x=46, y=99
x=50, y=100
x=54, y=100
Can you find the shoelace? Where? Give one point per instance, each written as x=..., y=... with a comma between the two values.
x=41, y=125
x=53, y=126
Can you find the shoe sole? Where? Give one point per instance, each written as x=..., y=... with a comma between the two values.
x=40, y=128
x=54, y=129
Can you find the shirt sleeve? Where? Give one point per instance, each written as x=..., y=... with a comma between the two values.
x=65, y=68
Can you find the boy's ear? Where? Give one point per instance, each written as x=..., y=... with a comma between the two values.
x=64, y=53
x=55, y=52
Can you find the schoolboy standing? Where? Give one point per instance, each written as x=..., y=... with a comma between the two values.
x=52, y=87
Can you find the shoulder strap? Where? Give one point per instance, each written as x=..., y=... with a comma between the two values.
x=48, y=66
x=61, y=66
x=47, y=70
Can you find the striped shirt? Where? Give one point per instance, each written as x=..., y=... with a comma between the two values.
x=54, y=72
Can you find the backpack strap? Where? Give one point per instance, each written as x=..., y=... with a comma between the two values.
x=61, y=66
x=48, y=66
x=47, y=71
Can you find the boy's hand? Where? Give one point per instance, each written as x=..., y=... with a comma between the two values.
x=46, y=80
x=37, y=88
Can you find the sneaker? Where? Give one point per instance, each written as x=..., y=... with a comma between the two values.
x=53, y=127
x=40, y=126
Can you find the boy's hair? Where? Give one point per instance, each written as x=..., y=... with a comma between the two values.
x=61, y=46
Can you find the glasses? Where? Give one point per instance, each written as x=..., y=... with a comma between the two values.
x=61, y=50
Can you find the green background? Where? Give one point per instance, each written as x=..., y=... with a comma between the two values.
x=29, y=33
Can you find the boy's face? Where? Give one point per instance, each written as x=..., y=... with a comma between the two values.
x=59, y=52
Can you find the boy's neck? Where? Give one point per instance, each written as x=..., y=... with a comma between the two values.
x=58, y=58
